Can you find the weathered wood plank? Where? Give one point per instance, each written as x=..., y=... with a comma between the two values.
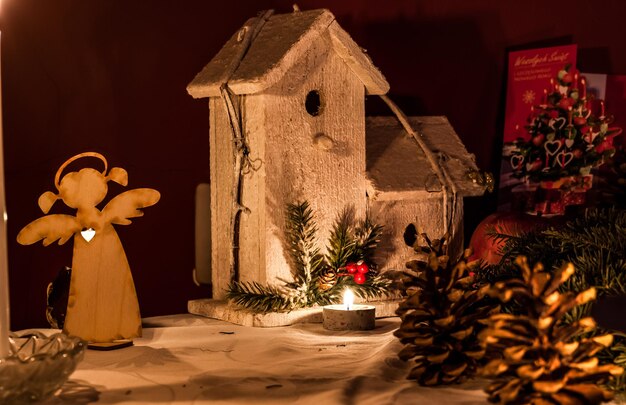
x=222, y=163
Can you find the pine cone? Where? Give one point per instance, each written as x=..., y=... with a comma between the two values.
x=327, y=279
x=542, y=361
x=439, y=317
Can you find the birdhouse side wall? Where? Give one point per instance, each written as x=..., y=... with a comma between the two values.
x=318, y=158
x=222, y=166
x=425, y=214
x=253, y=222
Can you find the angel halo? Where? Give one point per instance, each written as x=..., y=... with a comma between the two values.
x=102, y=305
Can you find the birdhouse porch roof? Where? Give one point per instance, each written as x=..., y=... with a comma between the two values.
x=397, y=166
x=282, y=41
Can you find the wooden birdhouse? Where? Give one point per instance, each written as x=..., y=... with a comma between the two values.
x=287, y=123
x=407, y=191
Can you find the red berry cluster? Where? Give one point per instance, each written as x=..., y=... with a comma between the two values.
x=357, y=270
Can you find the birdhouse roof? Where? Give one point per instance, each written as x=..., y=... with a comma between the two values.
x=282, y=40
x=396, y=163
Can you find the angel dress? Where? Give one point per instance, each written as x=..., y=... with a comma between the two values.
x=101, y=274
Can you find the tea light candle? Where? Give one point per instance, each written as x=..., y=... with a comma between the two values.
x=349, y=316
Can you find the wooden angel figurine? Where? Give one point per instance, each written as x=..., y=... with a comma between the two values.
x=102, y=304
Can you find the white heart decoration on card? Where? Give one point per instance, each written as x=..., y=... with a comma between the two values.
x=552, y=147
x=557, y=123
x=564, y=158
x=517, y=161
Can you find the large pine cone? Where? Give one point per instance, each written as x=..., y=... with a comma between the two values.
x=542, y=361
x=439, y=317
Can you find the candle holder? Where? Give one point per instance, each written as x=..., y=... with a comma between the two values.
x=358, y=317
x=37, y=366
x=349, y=316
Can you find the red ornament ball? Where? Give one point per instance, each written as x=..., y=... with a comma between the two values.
x=567, y=78
x=362, y=268
x=351, y=268
x=359, y=278
x=486, y=248
x=538, y=139
x=565, y=103
x=580, y=121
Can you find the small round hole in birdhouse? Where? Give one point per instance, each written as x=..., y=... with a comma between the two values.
x=313, y=103
x=410, y=235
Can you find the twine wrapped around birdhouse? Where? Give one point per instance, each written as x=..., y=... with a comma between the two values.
x=243, y=163
x=436, y=163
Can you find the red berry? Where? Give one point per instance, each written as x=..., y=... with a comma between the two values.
x=536, y=165
x=580, y=121
x=577, y=153
x=359, y=278
x=362, y=268
x=351, y=268
x=565, y=103
x=567, y=78
x=538, y=139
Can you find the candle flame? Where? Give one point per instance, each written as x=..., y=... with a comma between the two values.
x=348, y=299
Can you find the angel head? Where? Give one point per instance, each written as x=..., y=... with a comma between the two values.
x=85, y=188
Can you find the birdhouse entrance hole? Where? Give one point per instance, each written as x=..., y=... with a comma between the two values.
x=313, y=103
x=410, y=235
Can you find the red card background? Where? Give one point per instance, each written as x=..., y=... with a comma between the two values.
x=529, y=74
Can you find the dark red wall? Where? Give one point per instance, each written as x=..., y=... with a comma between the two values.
x=110, y=76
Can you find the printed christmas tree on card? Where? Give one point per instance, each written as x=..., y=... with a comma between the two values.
x=567, y=135
x=529, y=75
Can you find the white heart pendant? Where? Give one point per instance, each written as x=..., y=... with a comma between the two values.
x=88, y=234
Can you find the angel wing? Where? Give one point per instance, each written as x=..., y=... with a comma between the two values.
x=49, y=228
x=128, y=204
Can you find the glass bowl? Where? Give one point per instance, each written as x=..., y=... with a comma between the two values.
x=37, y=366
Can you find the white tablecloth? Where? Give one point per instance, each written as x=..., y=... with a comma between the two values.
x=185, y=359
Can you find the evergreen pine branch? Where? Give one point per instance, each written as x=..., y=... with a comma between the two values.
x=260, y=298
x=502, y=232
x=374, y=287
x=346, y=243
x=341, y=244
x=595, y=243
x=596, y=229
x=301, y=236
x=366, y=239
